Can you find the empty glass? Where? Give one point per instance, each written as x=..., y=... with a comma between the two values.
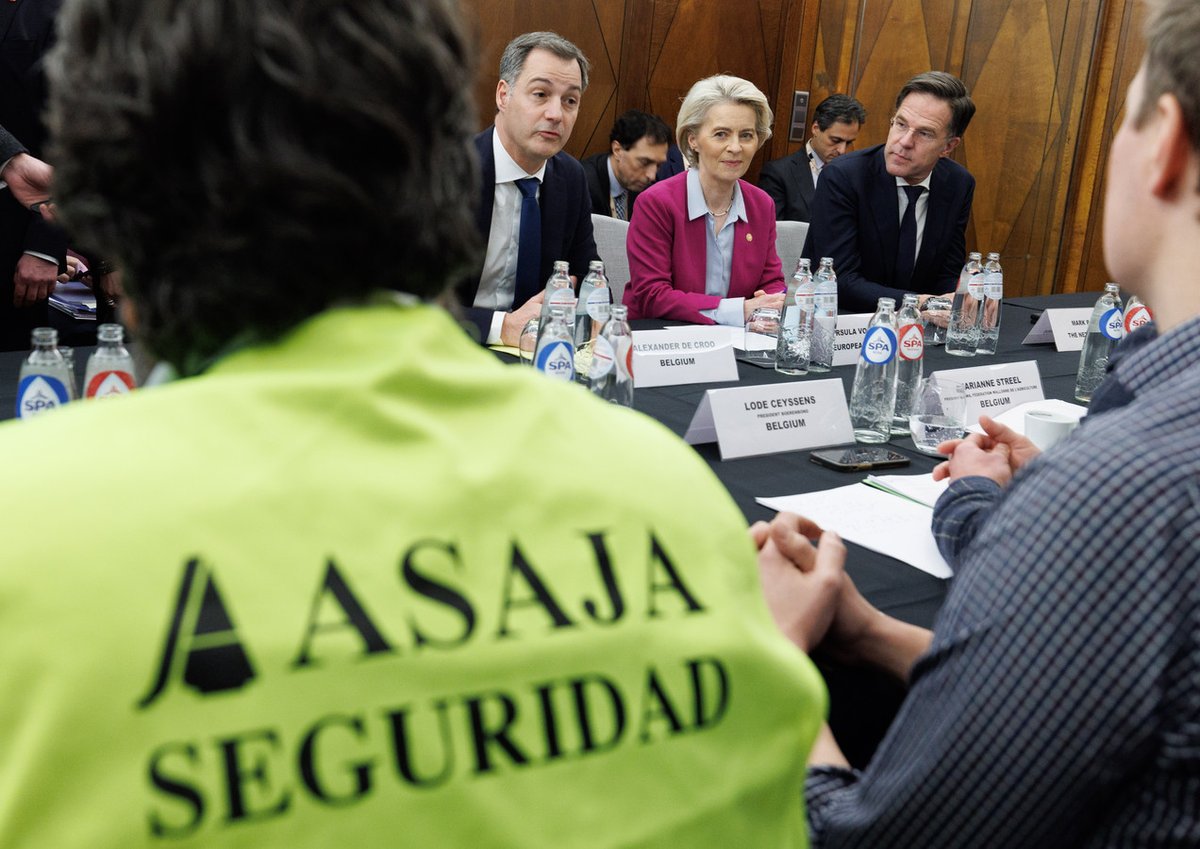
x=527, y=344
x=936, y=414
x=934, y=310
x=762, y=336
x=795, y=339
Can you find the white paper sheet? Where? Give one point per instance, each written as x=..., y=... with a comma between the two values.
x=922, y=489
x=1014, y=417
x=873, y=519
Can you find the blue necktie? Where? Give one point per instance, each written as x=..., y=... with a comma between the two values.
x=906, y=251
x=529, y=244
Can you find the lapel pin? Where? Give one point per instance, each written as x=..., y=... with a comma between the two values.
x=749, y=237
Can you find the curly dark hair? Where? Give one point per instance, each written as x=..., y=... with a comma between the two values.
x=251, y=162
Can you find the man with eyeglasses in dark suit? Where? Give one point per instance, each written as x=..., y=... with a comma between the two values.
x=894, y=216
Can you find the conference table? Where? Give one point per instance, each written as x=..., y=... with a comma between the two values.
x=895, y=587
x=862, y=702
x=891, y=585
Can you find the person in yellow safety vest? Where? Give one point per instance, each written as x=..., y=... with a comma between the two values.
x=350, y=580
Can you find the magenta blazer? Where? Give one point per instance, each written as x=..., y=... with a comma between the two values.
x=667, y=254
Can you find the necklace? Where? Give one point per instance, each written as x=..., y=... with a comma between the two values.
x=719, y=214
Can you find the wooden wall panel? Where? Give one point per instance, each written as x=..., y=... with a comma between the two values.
x=1081, y=258
x=645, y=54
x=1028, y=64
x=703, y=37
x=1028, y=76
x=798, y=46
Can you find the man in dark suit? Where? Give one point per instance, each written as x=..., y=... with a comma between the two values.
x=534, y=207
x=637, y=150
x=31, y=249
x=790, y=181
x=894, y=216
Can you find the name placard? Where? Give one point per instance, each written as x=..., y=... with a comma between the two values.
x=848, y=338
x=1066, y=328
x=702, y=354
x=746, y=421
x=993, y=389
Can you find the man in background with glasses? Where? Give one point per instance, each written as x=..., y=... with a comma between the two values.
x=894, y=216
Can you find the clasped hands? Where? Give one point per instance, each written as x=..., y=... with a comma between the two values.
x=810, y=597
x=813, y=600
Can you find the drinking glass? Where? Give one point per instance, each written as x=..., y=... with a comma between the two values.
x=527, y=344
x=762, y=336
x=939, y=308
x=795, y=341
x=936, y=414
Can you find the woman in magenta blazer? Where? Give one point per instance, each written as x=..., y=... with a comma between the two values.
x=701, y=244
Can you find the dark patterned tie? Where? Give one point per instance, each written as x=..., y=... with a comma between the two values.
x=906, y=251
x=529, y=244
x=619, y=206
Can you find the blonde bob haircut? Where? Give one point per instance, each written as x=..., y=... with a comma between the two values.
x=709, y=92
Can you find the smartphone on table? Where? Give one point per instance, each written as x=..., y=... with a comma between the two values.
x=858, y=458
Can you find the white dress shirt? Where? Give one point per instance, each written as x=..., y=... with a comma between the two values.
x=498, y=283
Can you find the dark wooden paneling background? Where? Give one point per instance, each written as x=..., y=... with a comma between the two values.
x=1048, y=77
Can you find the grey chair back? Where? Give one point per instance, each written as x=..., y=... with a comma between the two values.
x=610, y=244
x=789, y=243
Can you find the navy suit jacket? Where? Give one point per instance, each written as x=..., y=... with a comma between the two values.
x=566, y=224
x=856, y=220
x=789, y=182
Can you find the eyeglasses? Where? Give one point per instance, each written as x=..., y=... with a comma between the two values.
x=926, y=137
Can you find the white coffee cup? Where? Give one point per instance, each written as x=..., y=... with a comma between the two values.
x=1046, y=428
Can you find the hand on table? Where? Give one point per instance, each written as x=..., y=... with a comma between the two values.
x=515, y=321
x=997, y=453
x=760, y=300
x=801, y=582
x=940, y=318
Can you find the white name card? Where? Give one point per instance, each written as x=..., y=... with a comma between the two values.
x=702, y=354
x=1066, y=328
x=992, y=389
x=848, y=339
x=746, y=421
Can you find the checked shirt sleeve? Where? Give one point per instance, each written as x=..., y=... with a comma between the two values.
x=1055, y=694
x=959, y=513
